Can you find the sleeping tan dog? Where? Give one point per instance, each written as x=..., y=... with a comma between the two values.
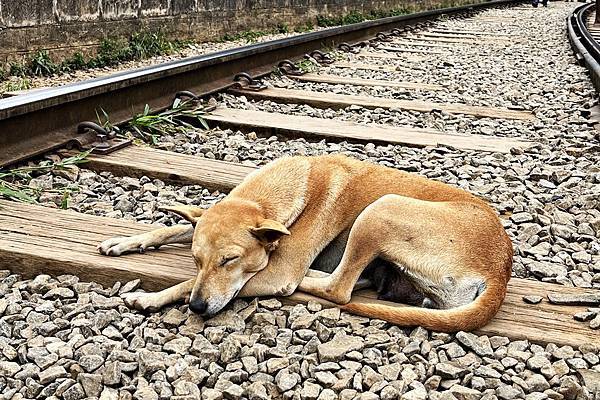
x=418, y=241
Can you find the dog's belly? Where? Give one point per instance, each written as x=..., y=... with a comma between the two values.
x=389, y=280
x=395, y=283
x=330, y=257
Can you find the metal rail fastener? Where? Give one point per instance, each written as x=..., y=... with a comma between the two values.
x=287, y=67
x=321, y=58
x=348, y=48
x=95, y=137
x=383, y=37
x=244, y=81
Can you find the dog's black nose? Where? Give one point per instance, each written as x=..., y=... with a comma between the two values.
x=198, y=306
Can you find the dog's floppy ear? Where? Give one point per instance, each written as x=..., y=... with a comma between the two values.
x=189, y=213
x=269, y=231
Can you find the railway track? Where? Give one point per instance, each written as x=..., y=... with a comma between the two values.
x=437, y=99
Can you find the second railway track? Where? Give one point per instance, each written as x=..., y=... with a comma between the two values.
x=493, y=103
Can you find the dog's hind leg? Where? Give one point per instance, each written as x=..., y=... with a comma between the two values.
x=156, y=300
x=139, y=243
x=428, y=239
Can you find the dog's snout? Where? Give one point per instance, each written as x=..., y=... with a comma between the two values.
x=198, y=306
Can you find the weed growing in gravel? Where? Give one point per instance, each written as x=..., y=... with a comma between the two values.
x=42, y=65
x=182, y=116
x=309, y=26
x=251, y=36
x=248, y=36
x=307, y=66
x=76, y=62
x=17, y=69
x=15, y=85
x=14, y=182
x=111, y=51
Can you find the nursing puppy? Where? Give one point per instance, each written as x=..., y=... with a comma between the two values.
x=420, y=241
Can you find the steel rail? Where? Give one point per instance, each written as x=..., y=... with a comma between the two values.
x=584, y=45
x=34, y=123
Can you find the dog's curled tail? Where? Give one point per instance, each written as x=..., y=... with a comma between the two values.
x=463, y=318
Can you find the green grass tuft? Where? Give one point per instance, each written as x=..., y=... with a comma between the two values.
x=111, y=51
x=12, y=184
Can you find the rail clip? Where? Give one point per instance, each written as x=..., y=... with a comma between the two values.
x=383, y=37
x=95, y=137
x=287, y=67
x=348, y=48
x=246, y=82
x=320, y=57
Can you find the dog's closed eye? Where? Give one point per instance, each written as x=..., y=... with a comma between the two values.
x=228, y=260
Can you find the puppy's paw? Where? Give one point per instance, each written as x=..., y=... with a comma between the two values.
x=119, y=245
x=141, y=301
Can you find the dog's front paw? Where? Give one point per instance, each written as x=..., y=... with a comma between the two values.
x=119, y=245
x=141, y=301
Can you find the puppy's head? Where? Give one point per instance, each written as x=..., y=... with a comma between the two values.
x=232, y=242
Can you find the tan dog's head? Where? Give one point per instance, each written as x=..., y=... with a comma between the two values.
x=232, y=242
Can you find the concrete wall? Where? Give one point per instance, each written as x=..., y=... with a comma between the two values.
x=65, y=26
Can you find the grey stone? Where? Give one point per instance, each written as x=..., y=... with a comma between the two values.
x=211, y=394
x=91, y=383
x=233, y=392
x=449, y=370
x=480, y=345
x=228, y=320
x=178, y=345
x=538, y=362
x=582, y=299
x=310, y=391
x=547, y=269
x=327, y=394
x=174, y=317
x=230, y=350
x=130, y=286
x=465, y=393
x=326, y=378
x=286, y=380
x=257, y=391
x=537, y=383
x=51, y=374
x=9, y=368
x=75, y=392
x=338, y=347
x=91, y=363
x=505, y=392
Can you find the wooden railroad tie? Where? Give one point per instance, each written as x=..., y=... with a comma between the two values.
x=414, y=41
x=467, y=35
x=295, y=125
x=434, y=37
x=335, y=79
x=337, y=101
x=36, y=239
x=409, y=50
x=473, y=33
x=365, y=66
x=388, y=56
